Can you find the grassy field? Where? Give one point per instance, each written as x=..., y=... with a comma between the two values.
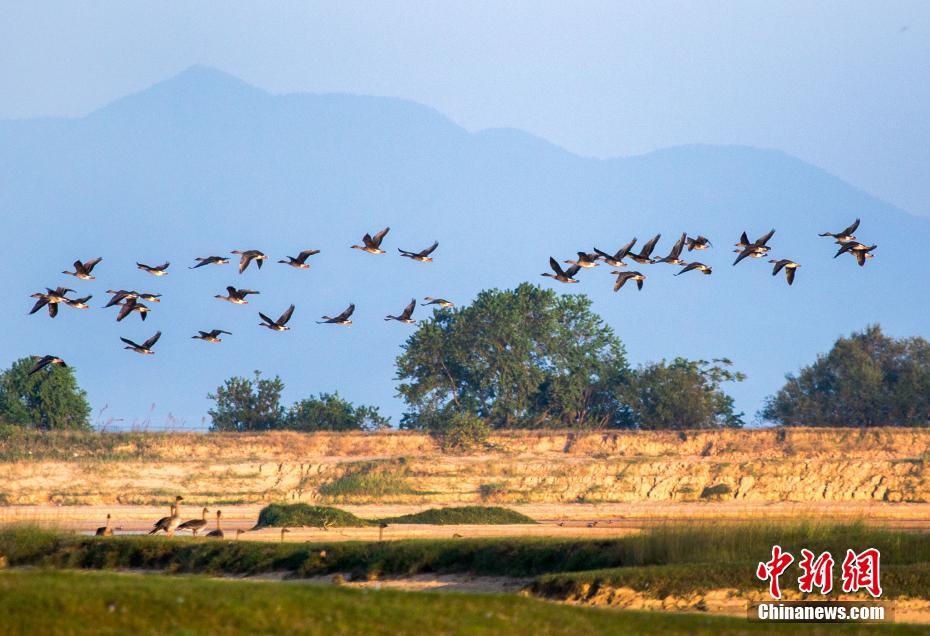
x=44, y=602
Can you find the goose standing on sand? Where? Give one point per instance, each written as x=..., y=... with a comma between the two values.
x=372, y=244
x=674, y=256
x=300, y=262
x=789, y=267
x=238, y=532
x=857, y=249
x=756, y=249
x=236, y=296
x=645, y=254
x=405, y=315
x=105, y=531
x=82, y=271
x=701, y=267
x=209, y=260
x=623, y=277
x=247, y=256
x=442, y=302
x=145, y=348
x=165, y=522
x=155, y=270
x=616, y=259
x=584, y=260
x=218, y=532
x=284, y=531
x=844, y=236
x=423, y=256
x=131, y=305
x=211, y=336
x=341, y=319
x=195, y=525
x=699, y=243
x=44, y=361
x=563, y=276
x=277, y=325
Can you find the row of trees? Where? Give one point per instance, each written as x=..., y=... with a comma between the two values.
x=530, y=358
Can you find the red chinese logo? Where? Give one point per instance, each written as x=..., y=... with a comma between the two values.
x=861, y=571
x=817, y=572
x=771, y=570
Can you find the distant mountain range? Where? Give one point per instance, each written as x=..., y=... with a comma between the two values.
x=203, y=163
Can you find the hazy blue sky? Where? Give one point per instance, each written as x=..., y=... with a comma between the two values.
x=843, y=85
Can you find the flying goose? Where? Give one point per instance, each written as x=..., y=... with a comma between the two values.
x=422, y=256
x=616, y=260
x=52, y=298
x=130, y=305
x=119, y=295
x=155, y=270
x=789, y=267
x=674, y=256
x=300, y=262
x=211, y=336
x=277, y=325
x=699, y=243
x=442, y=302
x=78, y=303
x=372, y=244
x=404, y=317
x=105, y=531
x=144, y=348
x=195, y=525
x=237, y=296
x=563, y=276
x=82, y=271
x=857, y=249
x=209, y=260
x=341, y=319
x=756, y=249
x=247, y=256
x=701, y=267
x=623, y=277
x=44, y=361
x=165, y=522
x=844, y=236
x=645, y=254
x=218, y=533
x=584, y=260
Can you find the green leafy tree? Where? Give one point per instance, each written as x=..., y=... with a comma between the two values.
x=682, y=394
x=867, y=379
x=244, y=404
x=49, y=399
x=526, y=357
x=329, y=412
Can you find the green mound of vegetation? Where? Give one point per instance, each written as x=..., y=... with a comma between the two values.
x=464, y=515
x=96, y=603
x=298, y=515
x=369, y=480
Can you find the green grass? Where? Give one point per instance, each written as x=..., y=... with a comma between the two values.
x=369, y=480
x=41, y=602
x=298, y=515
x=463, y=515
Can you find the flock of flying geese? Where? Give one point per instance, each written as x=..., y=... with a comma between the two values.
x=131, y=301
x=744, y=248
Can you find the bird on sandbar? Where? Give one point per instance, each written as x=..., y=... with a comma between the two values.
x=423, y=256
x=341, y=319
x=563, y=276
x=404, y=317
x=372, y=244
x=300, y=261
x=277, y=325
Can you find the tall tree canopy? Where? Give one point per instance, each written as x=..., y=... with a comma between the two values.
x=682, y=394
x=49, y=399
x=526, y=357
x=867, y=379
x=244, y=404
x=329, y=412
